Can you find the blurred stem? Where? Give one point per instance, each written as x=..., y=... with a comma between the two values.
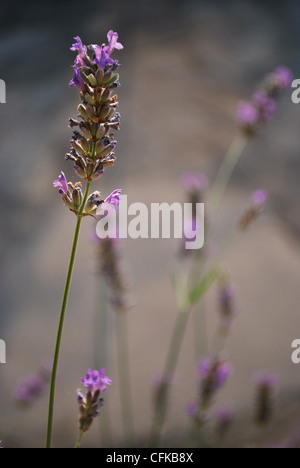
x=62, y=318
x=218, y=190
x=200, y=331
x=160, y=411
x=226, y=170
x=102, y=357
x=78, y=443
x=124, y=376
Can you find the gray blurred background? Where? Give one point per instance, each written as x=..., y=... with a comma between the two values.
x=185, y=66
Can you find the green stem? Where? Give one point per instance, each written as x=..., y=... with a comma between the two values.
x=78, y=443
x=124, y=377
x=226, y=170
x=170, y=366
x=62, y=318
x=102, y=353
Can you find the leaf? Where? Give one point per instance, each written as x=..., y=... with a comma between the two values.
x=203, y=287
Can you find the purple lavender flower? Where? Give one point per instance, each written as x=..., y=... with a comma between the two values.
x=194, y=181
x=62, y=184
x=228, y=310
x=102, y=54
x=260, y=197
x=261, y=109
x=114, y=198
x=113, y=43
x=218, y=371
x=258, y=200
x=89, y=405
x=224, y=417
x=265, y=105
x=213, y=374
x=96, y=380
x=30, y=389
x=266, y=380
x=192, y=410
x=284, y=77
x=247, y=115
x=264, y=385
x=77, y=80
x=81, y=49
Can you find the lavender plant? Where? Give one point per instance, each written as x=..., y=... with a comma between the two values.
x=92, y=150
x=95, y=382
x=251, y=117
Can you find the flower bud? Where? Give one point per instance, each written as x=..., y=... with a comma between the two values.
x=82, y=111
x=92, y=80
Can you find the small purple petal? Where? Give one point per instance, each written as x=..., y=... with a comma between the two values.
x=96, y=380
x=62, y=184
x=113, y=42
x=205, y=367
x=266, y=380
x=284, y=77
x=247, y=114
x=266, y=105
x=224, y=371
x=79, y=47
x=259, y=197
x=191, y=409
x=194, y=181
x=77, y=80
x=113, y=198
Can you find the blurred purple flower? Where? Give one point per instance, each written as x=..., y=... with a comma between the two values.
x=266, y=380
x=265, y=385
x=194, y=181
x=258, y=200
x=260, y=197
x=247, y=114
x=215, y=371
x=265, y=104
x=284, y=77
x=62, y=184
x=224, y=417
x=77, y=80
x=30, y=389
x=192, y=409
x=224, y=414
x=96, y=380
x=228, y=310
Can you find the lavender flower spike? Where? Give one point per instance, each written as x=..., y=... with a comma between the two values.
x=89, y=406
x=258, y=200
x=265, y=384
x=96, y=380
x=62, y=184
x=213, y=374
